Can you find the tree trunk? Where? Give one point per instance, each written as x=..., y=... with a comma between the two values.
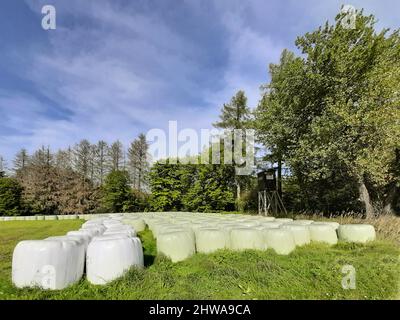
x=390, y=199
x=365, y=198
x=280, y=176
x=238, y=191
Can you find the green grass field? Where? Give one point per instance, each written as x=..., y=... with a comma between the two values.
x=310, y=272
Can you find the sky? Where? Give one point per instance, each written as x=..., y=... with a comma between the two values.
x=113, y=69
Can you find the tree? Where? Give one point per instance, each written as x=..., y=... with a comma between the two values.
x=116, y=156
x=10, y=197
x=2, y=167
x=235, y=115
x=21, y=160
x=138, y=162
x=101, y=160
x=117, y=196
x=83, y=158
x=335, y=111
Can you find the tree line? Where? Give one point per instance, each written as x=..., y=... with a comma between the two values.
x=328, y=120
x=80, y=179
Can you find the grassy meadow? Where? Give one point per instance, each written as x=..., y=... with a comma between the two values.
x=310, y=272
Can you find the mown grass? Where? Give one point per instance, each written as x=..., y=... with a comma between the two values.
x=310, y=272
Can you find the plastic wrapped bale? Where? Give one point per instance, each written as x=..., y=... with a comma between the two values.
x=9, y=218
x=272, y=224
x=128, y=233
x=84, y=236
x=138, y=224
x=177, y=245
x=359, y=233
x=30, y=218
x=266, y=219
x=246, y=238
x=90, y=232
x=280, y=240
x=39, y=217
x=301, y=233
x=108, y=258
x=333, y=224
x=211, y=239
x=50, y=218
x=323, y=233
x=303, y=222
x=82, y=241
x=283, y=220
x=49, y=264
x=99, y=229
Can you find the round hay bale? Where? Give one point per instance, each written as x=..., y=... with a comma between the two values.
x=272, y=224
x=246, y=238
x=49, y=264
x=211, y=239
x=283, y=220
x=333, y=224
x=323, y=233
x=39, y=217
x=267, y=219
x=50, y=218
x=303, y=222
x=108, y=259
x=280, y=240
x=138, y=224
x=177, y=245
x=300, y=233
x=359, y=233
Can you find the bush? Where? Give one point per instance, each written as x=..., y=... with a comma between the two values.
x=10, y=197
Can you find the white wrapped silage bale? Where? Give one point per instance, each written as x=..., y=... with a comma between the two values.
x=9, y=218
x=283, y=220
x=50, y=218
x=359, y=233
x=137, y=223
x=301, y=233
x=92, y=232
x=39, y=217
x=280, y=240
x=271, y=224
x=266, y=219
x=79, y=235
x=19, y=218
x=87, y=234
x=303, y=222
x=246, y=238
x=49, y=264
x=211, y=239
x=333, y=224
x=81, y=241
x=323, y=233
x=177, y=245
x=31, y=218
x=109, y=223
x=109, y=257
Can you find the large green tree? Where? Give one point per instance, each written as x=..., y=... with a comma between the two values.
x=334, y=111
x=117, y=195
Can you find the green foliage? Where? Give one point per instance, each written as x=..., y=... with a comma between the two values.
x=117, y=195
x=191, y=187
x=333, y=115
x=10, y=197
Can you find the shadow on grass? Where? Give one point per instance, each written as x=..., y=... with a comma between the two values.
x=149, y=247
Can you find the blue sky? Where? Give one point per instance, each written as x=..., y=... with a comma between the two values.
x=113, y=69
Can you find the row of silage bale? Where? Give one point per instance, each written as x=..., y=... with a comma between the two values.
x=107, y=247
x=174, y=233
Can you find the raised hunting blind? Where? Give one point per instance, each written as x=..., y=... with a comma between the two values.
x=269, y=199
